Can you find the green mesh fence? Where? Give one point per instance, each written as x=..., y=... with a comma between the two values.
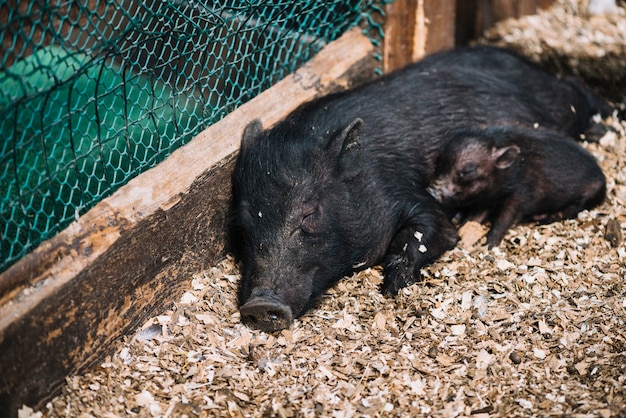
x=94, y=92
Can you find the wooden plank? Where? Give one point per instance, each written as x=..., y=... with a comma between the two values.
x=476, y=16
x=400, y=28
x=440, y=17
x=414, y=28
x=67, y=303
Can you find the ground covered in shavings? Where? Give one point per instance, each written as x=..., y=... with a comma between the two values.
x=536, y=327
x=568, y=39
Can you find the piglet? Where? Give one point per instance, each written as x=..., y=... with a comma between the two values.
x=507, y=175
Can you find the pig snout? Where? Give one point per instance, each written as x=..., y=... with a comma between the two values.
x=266, y=312
x=437, y=190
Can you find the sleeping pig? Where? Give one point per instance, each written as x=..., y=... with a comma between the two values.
x=340, y=183
x=508, y=174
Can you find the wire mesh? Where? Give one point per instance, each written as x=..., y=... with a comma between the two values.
x=94, y=92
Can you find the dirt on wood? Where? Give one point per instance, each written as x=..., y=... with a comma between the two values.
x=535, y=327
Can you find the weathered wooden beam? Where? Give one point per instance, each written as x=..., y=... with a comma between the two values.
x=476, y=16
x=440, y=18
x=67, y=303
x=414, y=28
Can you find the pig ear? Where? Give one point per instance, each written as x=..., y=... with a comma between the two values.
x=251, y=132
x=504, y=157
x=351, y=136
x=350, y=139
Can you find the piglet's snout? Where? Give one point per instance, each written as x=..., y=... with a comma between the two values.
x=436, y=191
x=267, y=313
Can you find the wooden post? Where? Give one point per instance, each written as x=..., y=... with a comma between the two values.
x=66, y=304
x=476, y=16
x=414, y=28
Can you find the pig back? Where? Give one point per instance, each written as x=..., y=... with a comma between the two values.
x=409, y=114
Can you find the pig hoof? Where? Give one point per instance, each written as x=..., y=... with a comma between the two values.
x=397, y=276
x=392, y=289
x=268, y=316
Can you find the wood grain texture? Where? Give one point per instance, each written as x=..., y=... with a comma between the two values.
x=414, y=28
x=473, y=17
x=64, y=306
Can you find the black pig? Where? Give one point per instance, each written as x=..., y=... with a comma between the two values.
x=340, y=183
x=507, y=175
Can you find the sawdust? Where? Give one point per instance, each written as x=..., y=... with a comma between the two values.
x=535, y=327
x=568, y=40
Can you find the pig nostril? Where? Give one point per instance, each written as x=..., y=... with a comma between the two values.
x=249, y=320
x=261, y=319
x=273, y=316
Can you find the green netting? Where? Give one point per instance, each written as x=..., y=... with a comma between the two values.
x=94, y=92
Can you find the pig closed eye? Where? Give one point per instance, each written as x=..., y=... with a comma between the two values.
x=467, y=173
x=311, y=221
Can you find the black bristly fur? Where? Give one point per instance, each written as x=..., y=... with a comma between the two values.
x=340, y=183
x=507, y=175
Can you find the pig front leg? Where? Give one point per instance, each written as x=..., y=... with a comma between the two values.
x=478, y=215
x=426, y=234
x=511, y=213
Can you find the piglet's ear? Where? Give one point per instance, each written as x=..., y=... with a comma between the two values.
x=504, y=157
x=251, y=132
x=350, y=154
